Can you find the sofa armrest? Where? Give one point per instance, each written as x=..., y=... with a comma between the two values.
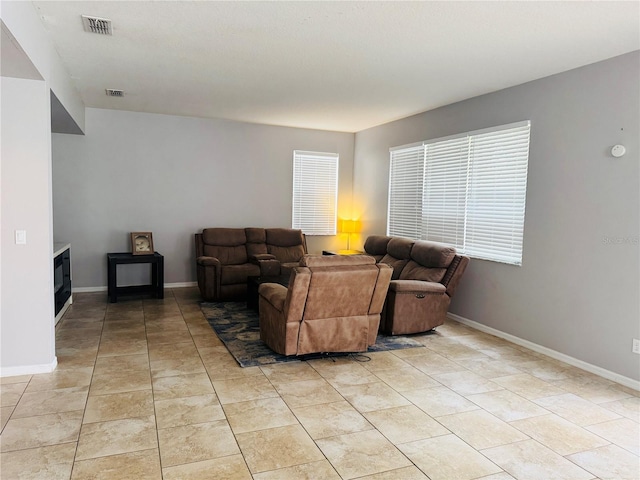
x=208, y=261
x=269, y=265
x=273, y=293
x=297, y=294
x=454, y=273
x=209, y=270
x=380, y=290
x=417, y=286
x=261, y=256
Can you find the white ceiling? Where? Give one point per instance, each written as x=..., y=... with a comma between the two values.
x=342, y=66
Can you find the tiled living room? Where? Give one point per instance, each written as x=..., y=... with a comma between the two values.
x=145, y=390
x=496, y=142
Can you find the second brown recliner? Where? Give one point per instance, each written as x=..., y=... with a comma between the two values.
x=425, y=277
x=332, y=304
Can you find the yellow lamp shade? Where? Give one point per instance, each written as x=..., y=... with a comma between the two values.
x=349, y=226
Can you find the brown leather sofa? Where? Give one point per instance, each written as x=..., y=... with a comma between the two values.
x=225, y=257
x=332, y=304
x=425, y=277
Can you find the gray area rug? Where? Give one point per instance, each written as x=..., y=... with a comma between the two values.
x=238, y=328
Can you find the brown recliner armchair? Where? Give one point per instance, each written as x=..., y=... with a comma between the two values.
x=425, y=277
x=419, y=299
x=332, y=304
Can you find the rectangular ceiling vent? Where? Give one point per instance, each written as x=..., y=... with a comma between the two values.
x=97, y=25
x=114, y=93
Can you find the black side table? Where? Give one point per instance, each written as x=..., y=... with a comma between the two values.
x=157, y=275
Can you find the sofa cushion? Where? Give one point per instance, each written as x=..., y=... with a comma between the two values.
x=256, y=238
x=400, y=248
x=396, y=263
x=429, y=261
x=286, y=244
x=232, y=274
x=432, y=254
x=376, y=245
x=255, y=249
x=414, y=271
x=226, y=237
x=398, y=254
x=255, y=235
x=227, y=255
x=283, y=237
x=225, y=244
x=286, y=254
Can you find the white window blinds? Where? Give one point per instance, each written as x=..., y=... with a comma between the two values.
x=315, y=192
x=405, y=191
x=444, y=191
x=471, y=189
x=496, y=198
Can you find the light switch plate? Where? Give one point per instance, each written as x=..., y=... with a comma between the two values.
x=21, y=237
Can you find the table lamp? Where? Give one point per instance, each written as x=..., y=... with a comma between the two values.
x=349, y=227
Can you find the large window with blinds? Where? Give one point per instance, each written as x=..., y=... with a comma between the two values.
x=315, y=192
x=465, y=190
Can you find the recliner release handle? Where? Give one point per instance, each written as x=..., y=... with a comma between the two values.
x=419, y=295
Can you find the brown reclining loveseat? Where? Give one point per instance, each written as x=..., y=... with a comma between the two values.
x=425, y=277
x=226, y=257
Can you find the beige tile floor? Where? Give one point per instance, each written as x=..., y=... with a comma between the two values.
x=145, y=390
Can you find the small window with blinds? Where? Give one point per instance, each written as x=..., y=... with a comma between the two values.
x=404, y=217
x=315, y=192
x=467, y=190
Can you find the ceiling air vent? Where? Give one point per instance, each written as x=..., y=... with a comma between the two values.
x=114, y=93
x=101, y=26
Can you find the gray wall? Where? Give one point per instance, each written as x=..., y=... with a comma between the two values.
x=27, y=311
x=174, y=176
x=27, y=337
x=577, y=291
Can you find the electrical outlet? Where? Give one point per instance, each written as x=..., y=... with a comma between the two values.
x=636, y=346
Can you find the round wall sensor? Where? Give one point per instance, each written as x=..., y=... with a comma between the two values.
x=618, y=150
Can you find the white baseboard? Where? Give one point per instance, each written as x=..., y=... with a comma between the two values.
x=88, y=289
x=104, y=289
x=29, y=369
x=609, y=375
x=181, y=285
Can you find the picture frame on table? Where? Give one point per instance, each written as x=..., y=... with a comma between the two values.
x=142, y=243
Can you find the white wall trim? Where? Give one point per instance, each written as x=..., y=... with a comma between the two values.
x=609, y=375
x=88, y=289
x=181, y=285
x=104, y=289
x=29, y=369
